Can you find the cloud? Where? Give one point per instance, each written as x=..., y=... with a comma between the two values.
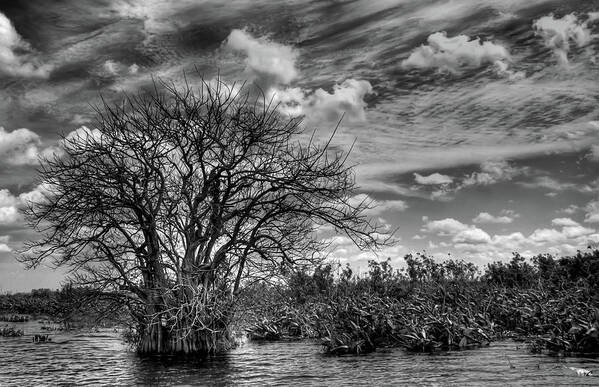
x=444, y=227
x=485, y=217
x=272, y=66
x=594, y=152
x=10, y=205
x=472, y=235
x=545, y=235
x=9, y=213
x=571, y=209
x=21, y=146
x=558, y=33
x=491, y=172
x=592, y=212
x=564, y=222
x=111, y=67
x=346, y=99
x=564, y=238
x=4, y=248
x=378, y=206
x=460, y=232
x=454, y=53
x=267, y=63
x=384, y=206
x=433, y=179
x=83, y=133
x=547, y=182
x=16, y=55
x=343, y=250
x=37, y=195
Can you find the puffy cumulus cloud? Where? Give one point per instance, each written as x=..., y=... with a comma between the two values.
x=79, y=135
x=268, y=63
x=503, y=70
x=565, y=237
x=485, y=217
x=21, y=146
x=559, y=33
x=4, y=248
x=343, y=250
x=592, y=212
x=453, y=53
x=491, y=172
x=577, y=231
x=16, y=56
x=112, y=69
x=7, y=198
x=433, y=179
x=37, y=195
x=346, y=99
x=473, y=235
x=9, y=213
x=571, y=209
x=564, y=222
x=444, y=227
x=272, y=66
x=83, y=133
x=460, y=232
x=11, y=205
x=574, y=235
x=547, y=235
x=571, y=232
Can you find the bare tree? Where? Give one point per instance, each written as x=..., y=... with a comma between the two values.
x=180, y=196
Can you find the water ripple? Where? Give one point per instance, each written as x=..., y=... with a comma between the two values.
x=102, y=359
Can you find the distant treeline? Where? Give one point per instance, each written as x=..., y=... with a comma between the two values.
x=551, y=303
x=70, y=305
x=38, y=302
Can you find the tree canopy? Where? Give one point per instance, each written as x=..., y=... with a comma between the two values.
x=179, y=195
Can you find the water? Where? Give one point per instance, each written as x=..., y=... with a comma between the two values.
x=101, y=358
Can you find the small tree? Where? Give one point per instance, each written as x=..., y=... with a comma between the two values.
x=182, y=195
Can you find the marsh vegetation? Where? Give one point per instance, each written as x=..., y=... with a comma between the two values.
x=550, y=304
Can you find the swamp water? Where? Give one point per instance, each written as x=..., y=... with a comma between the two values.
x=101, y=358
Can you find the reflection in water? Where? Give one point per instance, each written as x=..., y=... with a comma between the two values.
x=102, y=359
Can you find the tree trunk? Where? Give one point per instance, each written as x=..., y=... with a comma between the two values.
x=159, y=340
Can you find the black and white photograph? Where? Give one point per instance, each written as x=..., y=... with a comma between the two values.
x=299, y=193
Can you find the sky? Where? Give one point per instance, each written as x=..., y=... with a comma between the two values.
x=475, y=122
